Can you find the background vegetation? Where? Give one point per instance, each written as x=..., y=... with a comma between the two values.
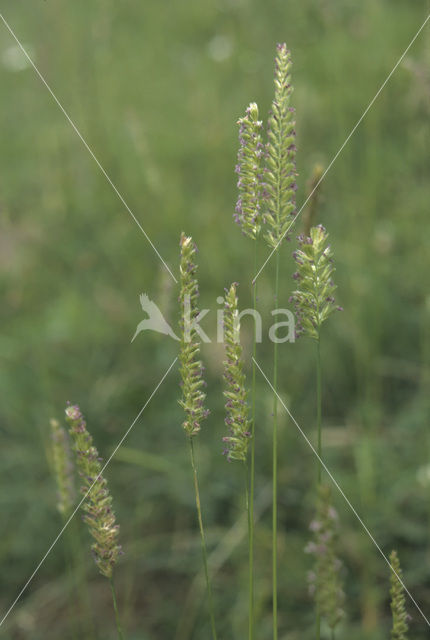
x=156, y=89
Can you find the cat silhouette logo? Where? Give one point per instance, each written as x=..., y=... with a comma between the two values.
x=155, y=321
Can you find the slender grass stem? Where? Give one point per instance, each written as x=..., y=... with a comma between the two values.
x=80, y=583
x=250, y=524
x=252, y=475
x=319, y=449
x=68, y=553
x=203, y=539
x=248, y=511
x=275, y=471
x=115, y=606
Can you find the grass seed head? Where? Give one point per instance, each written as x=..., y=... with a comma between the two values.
x=313, y=299
x=398, y=606
x=280, y=165
x=237, y=419
x=99, y=515
x=191, y=368
x=63, y=468
x=249, y=170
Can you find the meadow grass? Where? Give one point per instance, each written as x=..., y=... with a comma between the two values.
x=73, y=266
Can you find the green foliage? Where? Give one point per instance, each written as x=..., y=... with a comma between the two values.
x=398, y=604
x=237, y=409
x=97, y=505
x=193, y=397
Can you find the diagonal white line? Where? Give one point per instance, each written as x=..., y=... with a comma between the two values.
x=357, y=124
x=88, y=148
x=87, y=493
x=339, y=488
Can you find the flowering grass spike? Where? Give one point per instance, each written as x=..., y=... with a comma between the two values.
x=236, y=406
x=63, y=467
x=313, y=300
x=400, y=617
x=280, y=170
x=191, y=367
x=99, y=515
x=248, y=168
x=325, y=583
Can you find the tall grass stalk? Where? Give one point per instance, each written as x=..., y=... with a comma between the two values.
x=309, y=218
x=314, y=303
x=319, y=406
x=279, y=194
x=71, y=586
x=77, y=576
x=249, y=514
x=319, y=449
x=250, y=501
x=115, y=607
x=237, y=416
x=275, y=469
x=202, y=539
x=193, y=397
x=248, y=216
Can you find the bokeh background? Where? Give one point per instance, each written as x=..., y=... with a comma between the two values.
x=156, y=89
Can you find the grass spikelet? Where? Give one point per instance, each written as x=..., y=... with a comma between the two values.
x=325, y=582
x=191, y=368
x=280, y=170
x=63, y=468
x=248, y=168
x=400, y=627
x=236, y=406
x=313, y=300
x=97, y=506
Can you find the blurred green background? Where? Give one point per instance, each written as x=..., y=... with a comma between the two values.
x=156, y=89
